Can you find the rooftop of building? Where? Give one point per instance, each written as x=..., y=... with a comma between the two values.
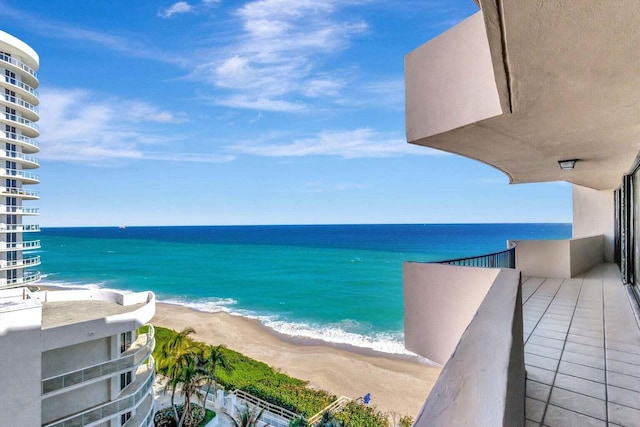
x=62, y=313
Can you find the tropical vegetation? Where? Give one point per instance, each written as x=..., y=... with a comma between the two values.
x=190, y=365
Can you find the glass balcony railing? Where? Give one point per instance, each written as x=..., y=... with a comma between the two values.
x=29, y=277
x=19, y=174
x=20, y=120
x=19, y=156
x=21, y=85
x=12, y=191
x=21, y=102
x=20, y=246
x=128, y=401
x=19, y=227
x=110, y=368
x=19, y=263
x=19, y=64
x=21, y=138
x=19, y=210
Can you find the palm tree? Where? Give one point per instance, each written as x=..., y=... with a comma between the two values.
x=248, y=417
x=173, y=361
x=328, y=420
x=190, y=379
x=213, y=358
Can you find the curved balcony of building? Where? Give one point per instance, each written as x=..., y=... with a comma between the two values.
x=15, y=65
x=19, y=228
x=143, y=416
x=30, y=277
x=27, y=245
x=69, y=316
x=29, y=145
x=19, y=210
x=132, y=397
x=26, y=92
x=28, y=110
x=19, y=263
x=24, y=176
x=19, y=192
x=134, y=358
x=26, y=126
x=27, y=162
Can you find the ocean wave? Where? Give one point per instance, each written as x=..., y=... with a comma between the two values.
x=209, y=305
x=384, y=342
x=70, y=285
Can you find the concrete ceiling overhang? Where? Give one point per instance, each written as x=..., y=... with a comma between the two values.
x=566, y=77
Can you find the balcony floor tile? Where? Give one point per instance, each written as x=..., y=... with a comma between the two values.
x=588, y=324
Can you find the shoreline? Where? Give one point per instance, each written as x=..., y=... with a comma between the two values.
x=397, y=383
x=307, y=341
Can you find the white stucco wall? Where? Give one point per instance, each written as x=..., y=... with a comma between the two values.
x=483, y=383
x=593, y=214
x=72, y=401
x=68, y=359
x=559, y=258
x=439, y=302
x=20, y=366
x=450, y=81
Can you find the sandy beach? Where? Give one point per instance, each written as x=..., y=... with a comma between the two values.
x=396, y=384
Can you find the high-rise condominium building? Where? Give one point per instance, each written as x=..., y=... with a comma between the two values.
x=67, y=358
x=18, y=65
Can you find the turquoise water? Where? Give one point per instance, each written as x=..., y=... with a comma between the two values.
x=336, y=283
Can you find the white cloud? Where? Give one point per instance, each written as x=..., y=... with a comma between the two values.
x=174, y=9
x=259, y=103
x=356, y=143
x=76, y=126
x=279, y=53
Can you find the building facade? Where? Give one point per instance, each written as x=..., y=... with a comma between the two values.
x=76, y=358
x=19, y=100
x=542, y=91
x=68, y=358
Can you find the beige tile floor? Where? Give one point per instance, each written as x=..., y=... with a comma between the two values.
x=582, y=351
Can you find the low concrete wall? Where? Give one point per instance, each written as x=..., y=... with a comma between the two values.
x=439, y=302
x=559, y=258
x=488, y=361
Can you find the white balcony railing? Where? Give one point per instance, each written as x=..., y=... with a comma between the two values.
x=19, y=64
x=21, y=85
x=20, y=120
x=29, y=277
x=19, y=263
x=19, y=246
x=19, y=210
x=146, y=343
x=21, y=103
x=16, y=155
x=21, y=138
x=133, y=395
x=20, y=192
x=18, y=173
x=19, y=228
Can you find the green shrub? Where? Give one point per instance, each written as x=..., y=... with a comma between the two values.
x=358, y=415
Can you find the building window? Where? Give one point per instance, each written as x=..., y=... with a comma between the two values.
x=124, y=418
x=125, y=341
x=125, y=379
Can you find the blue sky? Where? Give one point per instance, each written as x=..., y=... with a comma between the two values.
x=248, y=112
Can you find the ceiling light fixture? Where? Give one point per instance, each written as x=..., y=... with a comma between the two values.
x=567, y=164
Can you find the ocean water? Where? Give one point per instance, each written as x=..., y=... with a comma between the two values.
x=337, y=283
